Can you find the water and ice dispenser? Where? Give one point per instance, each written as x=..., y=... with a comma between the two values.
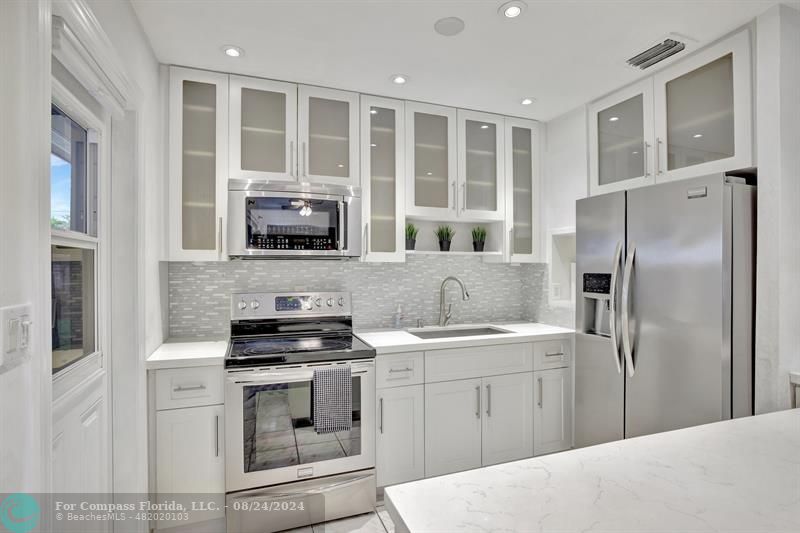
x=596, y=303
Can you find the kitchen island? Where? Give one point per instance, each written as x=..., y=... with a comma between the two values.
x=737, y=475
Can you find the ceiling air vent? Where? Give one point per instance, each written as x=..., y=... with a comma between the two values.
x=659, y=52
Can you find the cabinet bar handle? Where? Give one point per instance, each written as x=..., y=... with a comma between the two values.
x=181, y=388
x=292, y=155
x=455, y=198
x=216, y=436
x=478, y=396
x=511, y=241
x=380, y=402
x=393, y=370
x=488, y=400
x=554, y=354
x=646, y=149
x=658, y=156
x=305, y=160
x=540, y=392
x=463, y=196
x=219, y=238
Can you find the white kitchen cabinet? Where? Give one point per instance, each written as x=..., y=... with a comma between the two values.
x=263, y=129
x=400, y=437
x=431, y=161
x=552, y=412
x=522, y=189
x=328, y=136
x=480, y=180
x=383, y=178
x=452, y=426
x=190, y=458
x=703, y=110
x=198, y=165
x=507, y=433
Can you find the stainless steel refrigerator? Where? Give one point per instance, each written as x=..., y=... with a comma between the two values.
x=664, y=320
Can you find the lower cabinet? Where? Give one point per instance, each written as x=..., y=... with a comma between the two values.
x=552, y=414
x=400, y=440
x=507, y=418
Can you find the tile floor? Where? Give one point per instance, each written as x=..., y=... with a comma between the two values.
x=375, y=522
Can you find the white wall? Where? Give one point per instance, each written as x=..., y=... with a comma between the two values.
x=25, y=443
x=778, y=257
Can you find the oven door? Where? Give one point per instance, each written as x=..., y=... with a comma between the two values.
x=285, y=223
x=269, y=434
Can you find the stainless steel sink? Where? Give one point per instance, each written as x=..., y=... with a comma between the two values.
x=456, y=332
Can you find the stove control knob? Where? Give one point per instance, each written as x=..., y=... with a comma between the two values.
x=242, y=305
x=255, y=304
x=318, y=301
x=330, y=302
x=341, y=301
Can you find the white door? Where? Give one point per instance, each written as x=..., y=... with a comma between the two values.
x=263, y=129
x=190, y=458
x=703, y=109
x=431, y=161
x=328, y=136
x=383, y=178
x=480, y=166
x=522, y=189
x=552, y=413
x=621, y=139
x=198, y=164
x=400, y=436
x=508, y=418
x=452, y=426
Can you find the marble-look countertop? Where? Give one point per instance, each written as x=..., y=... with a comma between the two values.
x=398, y=340
x=740, y=475
x=180, y=354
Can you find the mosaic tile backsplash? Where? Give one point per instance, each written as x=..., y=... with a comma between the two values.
x=199, y=293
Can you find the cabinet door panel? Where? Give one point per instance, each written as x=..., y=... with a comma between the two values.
x=552, y=422
x=480, y=166
x=400, y=435
x=522, y=189
x=508, y=418
x=452, y=426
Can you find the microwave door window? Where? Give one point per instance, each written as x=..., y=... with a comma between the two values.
x=275, y=223
x=279, y=429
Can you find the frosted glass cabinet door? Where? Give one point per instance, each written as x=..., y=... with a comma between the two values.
x=263, y=129
x=431, y=160
x=382, y=170
x=328, y=136
x=621, y=139
x=198, y=150
x=522, y=164
x=704, y=110
x=480, y=166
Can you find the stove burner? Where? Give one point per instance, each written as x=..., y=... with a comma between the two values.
x=257, y=347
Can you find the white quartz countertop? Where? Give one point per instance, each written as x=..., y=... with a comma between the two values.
x=738, y=475
x=180, y=354
x=398, y=340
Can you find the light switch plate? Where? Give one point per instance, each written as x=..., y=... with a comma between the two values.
x=14, y=333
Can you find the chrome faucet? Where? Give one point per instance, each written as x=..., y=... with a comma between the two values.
x=444, y=316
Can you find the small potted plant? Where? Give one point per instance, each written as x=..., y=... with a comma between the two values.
x=411, y=236
x=478, y=238
x=445, y=236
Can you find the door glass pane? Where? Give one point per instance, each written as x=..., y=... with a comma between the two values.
x=275, y=223
x=73, y=316
x=522, y=146
x=481, y=154
x=700, y=115
x=431, y=173
x=73, y=161
x=199, y=177
x=263, y=131
x=279, y=429
x=382, y=181
x=620, y=138
x=328, y=137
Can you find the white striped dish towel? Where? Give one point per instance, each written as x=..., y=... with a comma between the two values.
x=333, y=399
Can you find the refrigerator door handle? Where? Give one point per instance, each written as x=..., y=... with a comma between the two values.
x=626, y=294
x=612, y=303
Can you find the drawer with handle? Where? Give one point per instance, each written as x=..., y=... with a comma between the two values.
x=552, y=354
x=189, y=387
x=398, y=369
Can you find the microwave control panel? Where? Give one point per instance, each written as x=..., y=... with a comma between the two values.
x=292, y=242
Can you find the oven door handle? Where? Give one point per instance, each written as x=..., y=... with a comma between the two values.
x=273, y=378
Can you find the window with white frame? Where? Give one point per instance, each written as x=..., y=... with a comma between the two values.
x=74, y=239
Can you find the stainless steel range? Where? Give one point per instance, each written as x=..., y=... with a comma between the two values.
x=277, y=457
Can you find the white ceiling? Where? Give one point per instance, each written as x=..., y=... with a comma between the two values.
x=564, y=53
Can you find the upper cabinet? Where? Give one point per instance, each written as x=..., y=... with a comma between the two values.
x=263, y=129
x=692, y=118
x=480, y=166
x=382, y=171
x=328, y=136
x=521, y=185
x=198, y=164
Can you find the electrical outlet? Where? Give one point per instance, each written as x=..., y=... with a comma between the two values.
x=15, y=333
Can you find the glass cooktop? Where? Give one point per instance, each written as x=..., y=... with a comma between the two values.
x=259, y=351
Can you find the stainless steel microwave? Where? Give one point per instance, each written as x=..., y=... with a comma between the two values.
x=300, y=220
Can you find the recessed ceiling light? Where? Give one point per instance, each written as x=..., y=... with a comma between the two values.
x=697, y=135
x=512, y=10
x=449, y=26
x=232, y=51
x=613, y=119
x=373, y=111
x=399, y=79
x=528, y=101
